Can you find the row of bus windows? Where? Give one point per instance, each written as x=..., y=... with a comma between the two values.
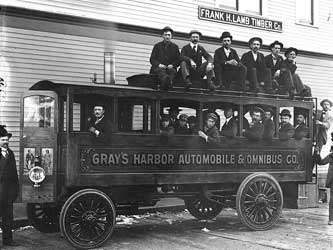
x=135, y=115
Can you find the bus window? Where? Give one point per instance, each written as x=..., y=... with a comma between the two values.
x=76, y=117
x=135, y=115
x=39, y=111
x=182, y=115
x=301, y=121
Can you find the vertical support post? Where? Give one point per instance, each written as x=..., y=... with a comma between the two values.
x=109, y=68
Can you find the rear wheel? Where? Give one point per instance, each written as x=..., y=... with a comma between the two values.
x=87, y=218
x=259, y=201
x=44, y=216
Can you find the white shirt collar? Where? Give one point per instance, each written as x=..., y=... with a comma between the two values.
x=192, y=45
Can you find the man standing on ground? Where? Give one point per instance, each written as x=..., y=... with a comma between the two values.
x=165, y=59
x=9, y=187
x=227, y=65
x=191, y=64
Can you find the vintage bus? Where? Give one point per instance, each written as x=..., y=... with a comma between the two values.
x=75, y=183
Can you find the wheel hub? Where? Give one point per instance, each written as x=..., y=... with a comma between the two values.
x=89, y=217
x=261, y=200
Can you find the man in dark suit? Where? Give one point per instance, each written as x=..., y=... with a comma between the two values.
x=273, y=61
x=269, y=125
x=210, y=132
x=301, y=129
x=230, y=126
x=191, y=64
x=227, y=65
x=286, y=130
x=9, y=187
x=165, y=59
x=256, y=130
x=99, y=126
x=257, y=73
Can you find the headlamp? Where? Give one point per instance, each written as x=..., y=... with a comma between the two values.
x=37, y=175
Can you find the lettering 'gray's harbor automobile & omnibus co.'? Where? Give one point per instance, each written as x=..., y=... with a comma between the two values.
x=79, y=185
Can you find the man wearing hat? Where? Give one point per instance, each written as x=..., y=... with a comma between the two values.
x=286, y=130
x=324, y=124
x=256, y=130
x=166, y=128
x=227, y=65
x=191, y=64
x=210, y=132
x=289, y=67
x=9, y=186
x=165, y=59
x=99, y=126
x=231, y=124
x=174, y=112
x=273, y=61
x=192, y=125
x=301, y=129
x=182, y=128
x=269, y=125
x=257, y=73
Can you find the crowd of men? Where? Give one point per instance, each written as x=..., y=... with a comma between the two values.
x=226, y=70
x=262, y=126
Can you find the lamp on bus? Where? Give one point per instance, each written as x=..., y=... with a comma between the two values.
x=37, y=175
x=109, y=68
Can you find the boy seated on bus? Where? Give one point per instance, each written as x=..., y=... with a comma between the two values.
x=182, y=128
x=166, y=128
x=256, y=130
x=210, y=132
x=99, y=126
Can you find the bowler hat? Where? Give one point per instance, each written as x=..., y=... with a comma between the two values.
x=3, y=131
x=255, y=39
x=275, y=43
x=225, y=34
x=167, y=28
x=174, y=108
x=183, y=117
x=212, y=116
x=290, y=49
x=285, y=112
x=326, y=100
x=270, y=110
x=191, y=119
x=194, y=32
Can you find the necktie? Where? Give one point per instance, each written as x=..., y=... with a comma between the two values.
x=194, y=49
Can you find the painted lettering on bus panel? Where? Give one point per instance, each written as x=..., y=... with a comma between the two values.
x=224, y=16
x=106, y=158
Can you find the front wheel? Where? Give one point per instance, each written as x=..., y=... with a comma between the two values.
x=87, y=218
x=259, y=201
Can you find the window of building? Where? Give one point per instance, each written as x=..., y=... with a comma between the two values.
x=305, y=11
x=251, y=7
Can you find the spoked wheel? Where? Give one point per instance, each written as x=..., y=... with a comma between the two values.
x=44, y=216
x=87, y=218
x=202, y=208
x=259, y=201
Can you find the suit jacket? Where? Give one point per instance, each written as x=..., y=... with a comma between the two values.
x=269, y=63
x=302, y=131
x=287, y=65
x=248, y=61
x=104, y=126
x=230, y=129
x=286, y=131
x=324, y=161
x=255, y=132
x=213, y=135
x=9, y=184
x=269, y=130
x=166, y=54
x=187, y=54
x=220, y=57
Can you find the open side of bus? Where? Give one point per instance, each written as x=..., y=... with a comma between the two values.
x=138, y=166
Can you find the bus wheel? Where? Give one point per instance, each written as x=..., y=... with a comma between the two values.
x=259, y=201
x=43, y=216
x=87, y=218
x=202, y=208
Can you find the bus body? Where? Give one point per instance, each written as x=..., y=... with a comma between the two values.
x=138, y=166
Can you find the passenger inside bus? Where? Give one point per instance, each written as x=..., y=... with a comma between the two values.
x=231, y=124
x=210, y=132
x=301, y=129
x=166, y=128
x=286, y=130
x=269, y=124
x=174, y=112
x=256, y=130
x=212, y=109
x=192, y=125
x=99, y=125
x=182, y=128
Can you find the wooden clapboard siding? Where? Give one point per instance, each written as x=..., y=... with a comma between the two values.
x=183, y=16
